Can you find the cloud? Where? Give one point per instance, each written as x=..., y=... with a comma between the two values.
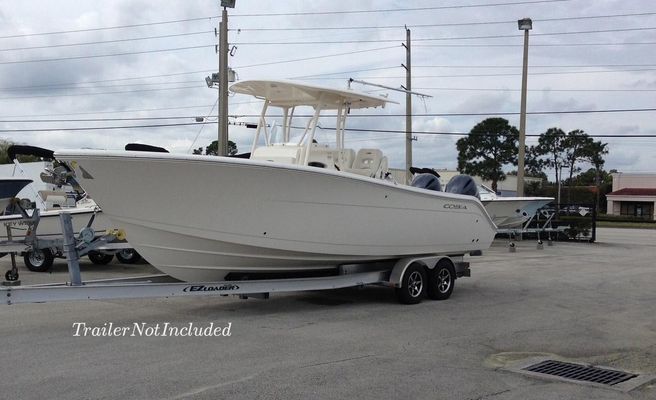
x=434, y=67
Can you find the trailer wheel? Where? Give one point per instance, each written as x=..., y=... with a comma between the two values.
x=441, y=280
x=100, y=258
x=413, y=285
x=128, y=256
x=38, y=260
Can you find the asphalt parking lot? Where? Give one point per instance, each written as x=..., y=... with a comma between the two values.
x=581, y=302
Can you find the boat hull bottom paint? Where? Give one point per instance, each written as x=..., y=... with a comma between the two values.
x=198, y=218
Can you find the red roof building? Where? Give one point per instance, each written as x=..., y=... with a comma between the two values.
x=633, y=195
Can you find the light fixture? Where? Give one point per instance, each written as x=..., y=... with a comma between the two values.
x=228, y=3
x=525, y=24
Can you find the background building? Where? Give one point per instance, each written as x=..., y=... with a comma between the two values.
x=633, y=195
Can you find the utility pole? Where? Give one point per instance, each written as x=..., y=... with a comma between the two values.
x=223, y=83
x=408, y=107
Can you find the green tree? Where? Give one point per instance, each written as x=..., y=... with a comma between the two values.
x=590, y=178
x=578, y=148
x=550, y=150
x=533, y=164
x=213, y=148
x=596, y=153
x=490, y=145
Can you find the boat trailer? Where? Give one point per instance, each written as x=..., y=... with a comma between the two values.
x=107, y=243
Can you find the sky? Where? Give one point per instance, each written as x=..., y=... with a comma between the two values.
x=130, y=63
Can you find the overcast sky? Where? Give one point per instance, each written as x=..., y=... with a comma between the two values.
x=568, y=71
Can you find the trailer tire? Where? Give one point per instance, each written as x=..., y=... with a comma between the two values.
x=38, y=260
x=128, y=256
x=413, y=285
x=441, y=280
x=100, y=258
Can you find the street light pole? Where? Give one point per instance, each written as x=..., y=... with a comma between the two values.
x=525, y=25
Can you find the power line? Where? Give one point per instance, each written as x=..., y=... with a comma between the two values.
x=412, y=26
x=355, y=41
x=100, y=93
x=175, y=21
x=397, y=9
x=54, y=85
x=194, y=47
x=479, y=114
x=439, y=114
x=96, y=128
x=209, y=18
x=537, y=44
x=317, y=57
x=78, y=86
x=322, y=128
x=106, y=55
x=535, y=66
x=346, y=72
x=96, y=119
x=532, y=90
x=489, y=75
x=49, y=46
x=108, y=112
x=490, y=134
x=203, y=126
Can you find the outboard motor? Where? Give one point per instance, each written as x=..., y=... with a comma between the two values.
x=462, y=184
x=427, y=181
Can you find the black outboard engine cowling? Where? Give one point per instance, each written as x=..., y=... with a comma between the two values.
x=426, y=181
x=462, y=184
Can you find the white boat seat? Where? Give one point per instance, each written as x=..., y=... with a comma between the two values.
x=288, y=154
x=57, y=199
x=345, y=159
x=322, y=156
x=367, y=162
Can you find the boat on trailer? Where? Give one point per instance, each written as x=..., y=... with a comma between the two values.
x=9, y=188
x=293, y=206
x=510, y=212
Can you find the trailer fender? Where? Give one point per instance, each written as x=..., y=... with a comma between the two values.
x=402, y=265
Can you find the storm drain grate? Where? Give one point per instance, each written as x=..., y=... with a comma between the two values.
x=579, y=372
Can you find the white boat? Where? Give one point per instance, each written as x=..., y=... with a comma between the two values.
x=51, y=203
x=9, y=188
x=64, y=195
x=292, y=206
x=510, y=212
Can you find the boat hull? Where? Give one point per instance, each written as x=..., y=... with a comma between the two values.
x=508, y=212
x=200, y=218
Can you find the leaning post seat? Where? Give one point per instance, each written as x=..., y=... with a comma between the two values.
x=367, y=162
x=345, y=158
x=323, y=156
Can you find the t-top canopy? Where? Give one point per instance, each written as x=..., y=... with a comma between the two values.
x=290, y=94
